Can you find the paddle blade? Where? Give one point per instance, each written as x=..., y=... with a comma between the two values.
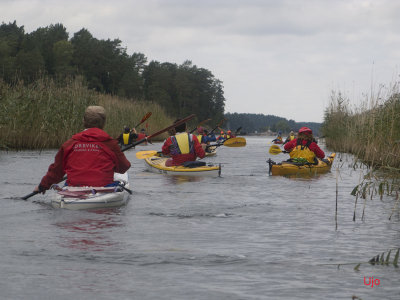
x=146, y=117
x=235, y=142
x=274, y=149
x=145, y=154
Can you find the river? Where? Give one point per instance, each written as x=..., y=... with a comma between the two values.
x=244, y=235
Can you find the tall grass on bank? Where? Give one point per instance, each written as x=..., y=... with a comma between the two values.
x=371, y=131
x=48, y=112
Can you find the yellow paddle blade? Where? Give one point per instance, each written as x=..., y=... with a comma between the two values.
x=274, y=149
x=145, y=154
x=235, y=142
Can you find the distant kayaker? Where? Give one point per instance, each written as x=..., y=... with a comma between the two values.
x=182, y=147
x=221, y=137
x=278, y=139
x=290, y=137
x=127, y=137
x=304, y=146
x=203, y=136
x=229, y=135
x=142, y=135
x=210, y=136
x=89, y=158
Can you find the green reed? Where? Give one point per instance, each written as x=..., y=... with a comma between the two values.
x=371, y=131
x=48, y=112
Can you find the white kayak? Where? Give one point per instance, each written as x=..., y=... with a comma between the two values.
x=77, y=198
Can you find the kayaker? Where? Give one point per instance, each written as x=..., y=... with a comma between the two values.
x=221, y=137
x=304, y=147
x=290, y=137
x=203, y=136
x=142, y=135
x=182, y=147
x=210, y=136
x=127, y=137
x=278, y=139
x=89, y=158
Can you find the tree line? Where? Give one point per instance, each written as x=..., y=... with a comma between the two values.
x=108, y=68
x=251, y=123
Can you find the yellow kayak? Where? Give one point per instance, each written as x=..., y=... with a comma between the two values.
x=291, y=168
x=156, y=164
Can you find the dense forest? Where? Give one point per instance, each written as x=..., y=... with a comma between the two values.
x=108, y=68
x=251, y=123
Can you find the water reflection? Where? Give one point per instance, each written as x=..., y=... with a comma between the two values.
x=92, y=233
x=180, y=179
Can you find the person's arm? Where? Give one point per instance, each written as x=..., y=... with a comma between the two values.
x=122, y=163
x=317, y=150
x=290, y=145
x=198, y=148
x=165, y=148
x=54, y=174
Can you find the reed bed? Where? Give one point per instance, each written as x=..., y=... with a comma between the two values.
x=371, y=131
x=48, y=112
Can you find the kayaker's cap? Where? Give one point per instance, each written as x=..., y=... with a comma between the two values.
x=200, y=130
x=229, y=131
x=126, y=129
x=280, y=132
x=305, y=130
x=94, y=117
x=143, y=130
x=222, y=132
x=292, y=133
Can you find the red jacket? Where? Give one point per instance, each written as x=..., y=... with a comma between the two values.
x=313, y=147
x=181, y=158
x=89, y=158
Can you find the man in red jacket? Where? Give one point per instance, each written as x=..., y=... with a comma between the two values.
x=304, y=146
x=89, y=158
x=182, y=147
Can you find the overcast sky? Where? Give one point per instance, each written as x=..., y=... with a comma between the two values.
x=276, y=57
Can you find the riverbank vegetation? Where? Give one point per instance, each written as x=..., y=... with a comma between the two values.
x=370, y=131
x=105, y=67
x=47, y=112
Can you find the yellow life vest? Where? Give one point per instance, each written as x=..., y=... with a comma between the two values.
x=291, y=137
x=125, y=137
x=181, y=143
x=199, y=137
x=228, y=136
x=302, y=151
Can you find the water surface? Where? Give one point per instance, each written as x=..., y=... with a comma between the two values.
x=245, y=235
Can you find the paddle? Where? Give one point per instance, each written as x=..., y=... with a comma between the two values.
x=146, y=116
x=159, y=132
x=238, y=130
x=219, y=124
x=274, y=149
x=201, y=123
x=235, y=142
x=135, y=144
x=29, y=195
x=146, y=154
